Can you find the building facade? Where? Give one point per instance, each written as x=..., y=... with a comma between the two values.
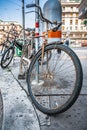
x=6, y=25
x=72, y=26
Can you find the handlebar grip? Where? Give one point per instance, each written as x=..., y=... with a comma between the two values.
x=57, y=27
x=30, y=5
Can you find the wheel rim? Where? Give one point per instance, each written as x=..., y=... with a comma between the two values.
x=7, y=57
x=56, y=84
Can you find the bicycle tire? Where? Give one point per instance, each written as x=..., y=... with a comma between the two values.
x=7, y=57
x=67, y=85
x=3, y=48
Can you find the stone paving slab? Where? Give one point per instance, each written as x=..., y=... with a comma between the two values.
x=18, y=112
x=76, y=117
x=43, y=118
x=73, y=119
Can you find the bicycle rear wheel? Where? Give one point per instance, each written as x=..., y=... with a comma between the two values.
x=7, y=57
x=59, y=80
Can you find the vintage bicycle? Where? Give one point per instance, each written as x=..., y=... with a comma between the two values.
x=53, y=83
x=54, y=86
x=9, y=47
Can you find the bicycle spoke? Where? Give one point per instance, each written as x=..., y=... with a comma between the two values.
x=57, y=80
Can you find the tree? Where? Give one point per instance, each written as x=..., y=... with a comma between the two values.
x=85, y=22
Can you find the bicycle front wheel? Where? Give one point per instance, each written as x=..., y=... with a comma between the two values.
x=7, y=57
x=55, y=86
x=3, y=48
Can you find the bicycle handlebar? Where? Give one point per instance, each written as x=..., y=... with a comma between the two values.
x=56, y=28
x=43, y=18
x=30, y=5
x=41, y=14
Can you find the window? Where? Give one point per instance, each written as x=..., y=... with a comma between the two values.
x=71, y=8
x=71, y=15
x=63, y=28
x=70, y=27
x=77, y=15
x=76, y=28
x=85, y=35
x=76, y=22
x=63, y=22
x=63, y=15
x=80, y=35
x=81, y=27
x=63, y=8
x=71, y=35
x=70, y=22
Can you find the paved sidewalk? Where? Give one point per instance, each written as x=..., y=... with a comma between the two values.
x=1, y=111
x=76, y=117
x=18, y=112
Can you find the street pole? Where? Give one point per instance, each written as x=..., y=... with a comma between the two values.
x=23, y=21
x=37, y=23
x=37, y=39
x=23, y=26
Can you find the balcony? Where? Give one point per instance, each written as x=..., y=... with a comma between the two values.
x=70, y=11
